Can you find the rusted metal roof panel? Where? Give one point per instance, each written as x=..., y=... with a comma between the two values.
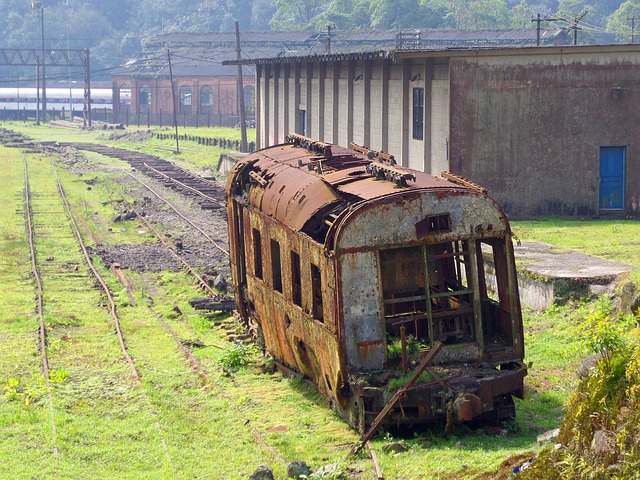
x=367, y=187
x=292, y=194
x=292, y=183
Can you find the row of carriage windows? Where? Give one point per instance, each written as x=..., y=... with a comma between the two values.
x=295, y=277
x=185, y=98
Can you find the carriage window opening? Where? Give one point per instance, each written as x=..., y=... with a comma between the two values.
x=450, y=292
x=404, y=294
x=316, y=291
x=296, y=287
x=257, y=254
x=276, y=267
x=495, y=294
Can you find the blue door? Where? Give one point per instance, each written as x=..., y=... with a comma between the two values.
x=612, y=178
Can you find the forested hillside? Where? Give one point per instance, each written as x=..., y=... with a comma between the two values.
x=114, y=30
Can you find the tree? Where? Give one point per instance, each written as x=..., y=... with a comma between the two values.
x=297, y=14
x=620, y=22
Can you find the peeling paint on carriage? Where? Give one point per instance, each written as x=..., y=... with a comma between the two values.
x=336, y=254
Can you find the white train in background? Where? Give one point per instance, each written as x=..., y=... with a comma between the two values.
x=20, y=102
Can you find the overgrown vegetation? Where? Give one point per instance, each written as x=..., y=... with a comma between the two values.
x=599, y=434
x=103, y=417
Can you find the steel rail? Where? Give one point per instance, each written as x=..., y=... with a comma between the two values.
x=39, y=300
x=202, y=373
x=114, y=315
x=184, y=185
x=179, y=214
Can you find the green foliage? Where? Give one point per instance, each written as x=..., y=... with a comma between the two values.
x=618, y=22
x=394, y=347
x=396, y=383
x=602, y=333
x=332, y=471
x=26, y=393
x=237, y=356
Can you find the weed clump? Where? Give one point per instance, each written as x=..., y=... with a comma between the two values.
x=237, y=356
x=599, y=434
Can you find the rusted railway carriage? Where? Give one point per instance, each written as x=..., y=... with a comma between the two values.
x=343, y=261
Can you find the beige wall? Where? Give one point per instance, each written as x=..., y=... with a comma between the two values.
x=365, y=101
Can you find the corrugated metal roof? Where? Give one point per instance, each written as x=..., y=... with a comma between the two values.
x=214, y=54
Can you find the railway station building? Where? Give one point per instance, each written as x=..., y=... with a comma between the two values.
x=548, y=130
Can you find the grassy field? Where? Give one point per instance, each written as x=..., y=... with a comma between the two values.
x=175, y=424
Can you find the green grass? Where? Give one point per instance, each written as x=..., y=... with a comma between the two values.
x=106, y=427
x=617, y=240
x=192, y=156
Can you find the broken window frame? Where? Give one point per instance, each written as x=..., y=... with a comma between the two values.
x=317, y=308
x=296, y=279
x=276, y=265
x=257, y=253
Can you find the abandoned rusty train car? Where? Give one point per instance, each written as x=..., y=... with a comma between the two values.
x=338, y=256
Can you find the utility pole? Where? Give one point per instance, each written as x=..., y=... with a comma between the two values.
x=240, y=94
x=37, y=5
x=329, y=27
x=538, y=20
x=633, y=28
x=173, y=99
x=575, y=28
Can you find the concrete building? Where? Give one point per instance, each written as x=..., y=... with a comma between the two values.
x=548, y=130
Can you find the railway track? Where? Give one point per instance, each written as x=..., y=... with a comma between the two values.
x=43, y=208
x=42, y=332
x=198, y=369
x=209, y=193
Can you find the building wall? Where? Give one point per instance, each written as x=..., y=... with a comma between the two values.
x=530, y=128
x=528, y=124
x=223, y=111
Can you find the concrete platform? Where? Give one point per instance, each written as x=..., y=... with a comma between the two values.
x=548, y=275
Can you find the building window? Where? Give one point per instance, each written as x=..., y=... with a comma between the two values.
x=124, y=95
x=249, y=100
x=418, y=113
x=302, y=127
x=185, y=99
x=296, y=286
x=144, y=98
x=316, y=291
x=206, y=99
x=276, y=267
x=257, y=254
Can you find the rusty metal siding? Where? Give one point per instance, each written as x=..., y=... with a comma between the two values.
x=530, y=129
x=290, y=332
x=392, y=221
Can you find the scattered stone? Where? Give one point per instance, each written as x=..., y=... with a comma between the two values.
x=395, y=447
x=262, y=473
x=220, y=283
x=601, y=442
x=298, y=470
x=588, y=364
x=548, y=436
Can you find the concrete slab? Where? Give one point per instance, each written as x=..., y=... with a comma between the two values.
x=551, y=262
x=549, y=275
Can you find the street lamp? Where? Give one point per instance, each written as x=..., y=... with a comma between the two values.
x=37, y=5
